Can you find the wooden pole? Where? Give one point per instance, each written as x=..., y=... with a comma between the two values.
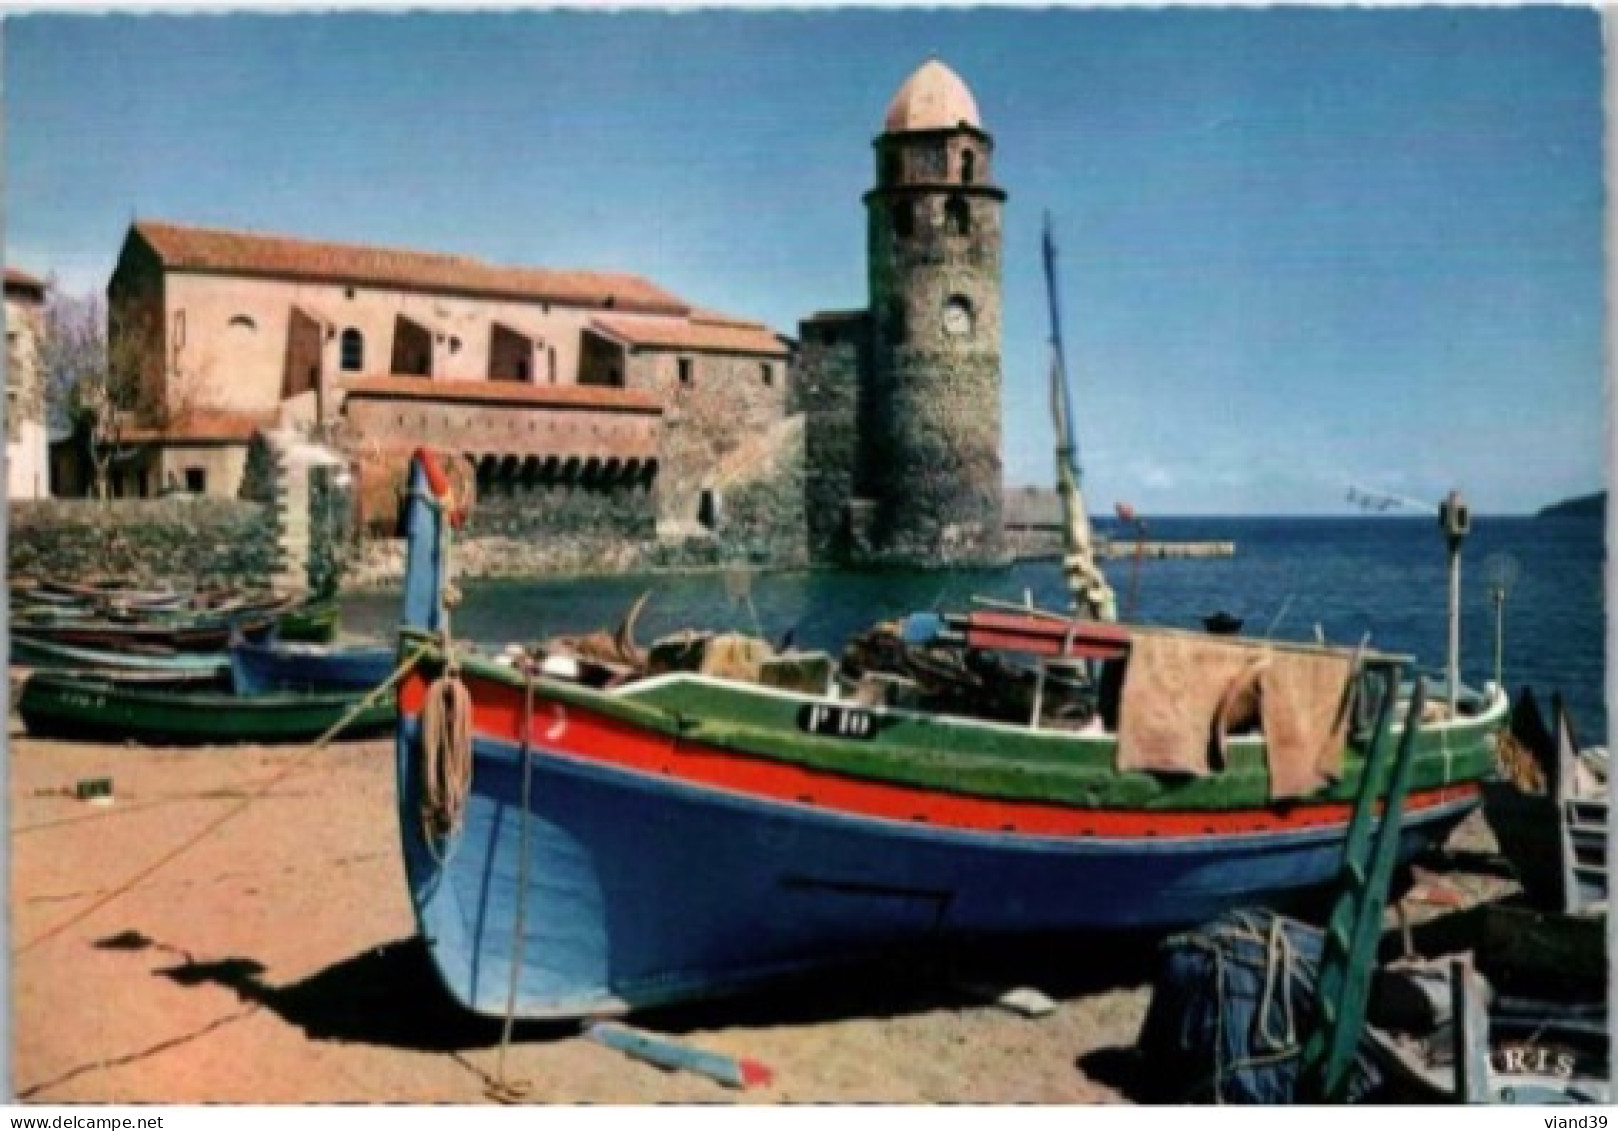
x=1455, y=521
x=1453, y=675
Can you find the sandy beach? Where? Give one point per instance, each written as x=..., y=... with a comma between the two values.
x=275, y=962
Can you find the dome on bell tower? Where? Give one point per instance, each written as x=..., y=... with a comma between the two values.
x=932, y=98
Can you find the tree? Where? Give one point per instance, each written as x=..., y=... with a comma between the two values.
x=92, y=364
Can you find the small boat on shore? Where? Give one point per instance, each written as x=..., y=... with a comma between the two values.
x=314, y=621
x=260, y=667
x=103, y=709
x=1549, y=813
x=205, y=667
x=211, y=634
x=183, y=631
x=700, y=831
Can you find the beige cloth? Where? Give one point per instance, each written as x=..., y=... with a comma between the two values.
x=1182, y=693
x=1304, y=700
x=1173, y=689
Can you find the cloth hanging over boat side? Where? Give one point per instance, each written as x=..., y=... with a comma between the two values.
x=1183, y=693
x=1304, y=699
x=1174, y=689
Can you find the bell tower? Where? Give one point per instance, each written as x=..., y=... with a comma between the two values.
x=932, y=460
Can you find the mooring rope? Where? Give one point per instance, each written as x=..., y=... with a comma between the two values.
x=446, y=716
x=504, y=1089
x=446, y=758
x=297, y=763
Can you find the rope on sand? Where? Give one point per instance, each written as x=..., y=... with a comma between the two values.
x=235, y=811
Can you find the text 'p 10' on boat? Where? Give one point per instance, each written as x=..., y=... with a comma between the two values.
x=589, y=850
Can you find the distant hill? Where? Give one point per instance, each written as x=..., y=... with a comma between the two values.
x=1585, y=506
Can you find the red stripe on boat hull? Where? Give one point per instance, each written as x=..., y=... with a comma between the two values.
x=591, y=736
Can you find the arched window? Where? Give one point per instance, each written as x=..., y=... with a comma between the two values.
x=243, y=322
x=958, y=214
x=352, y=352
x=892, y=167
x=969, y=166
x=904, y=219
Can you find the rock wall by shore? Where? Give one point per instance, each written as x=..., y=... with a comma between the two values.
x=514, y=532
x=181, y=541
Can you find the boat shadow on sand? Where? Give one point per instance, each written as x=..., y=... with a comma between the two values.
x=389, y=995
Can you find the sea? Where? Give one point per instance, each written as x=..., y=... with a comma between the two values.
x=1534, y=585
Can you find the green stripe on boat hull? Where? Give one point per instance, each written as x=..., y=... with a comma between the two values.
x=100, y=710
x=973, y=758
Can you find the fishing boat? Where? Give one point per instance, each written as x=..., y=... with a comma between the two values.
x=314, y=621
x=259, y=667
x=1549, y=812
x=593, y=850
x=191, y=633
x=101, y=708
x=206, y=667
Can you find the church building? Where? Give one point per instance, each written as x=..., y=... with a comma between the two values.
x=541, y=377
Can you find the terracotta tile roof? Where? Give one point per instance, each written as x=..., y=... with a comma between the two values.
x=506, y=392
x=708, y=337
x=228, y=252
x=24, y=281
x=201, y=427
x=711, y=317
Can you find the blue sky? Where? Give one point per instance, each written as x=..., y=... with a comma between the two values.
x=1300, y=248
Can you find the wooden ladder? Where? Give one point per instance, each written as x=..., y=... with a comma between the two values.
x=1355, y=926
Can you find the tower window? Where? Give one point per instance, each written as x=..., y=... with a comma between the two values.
x=904, y=219
x=352, y=350
x=969, y=166
x=767, y=372
x=892, y=167
x=685, y=371
x=958, y=214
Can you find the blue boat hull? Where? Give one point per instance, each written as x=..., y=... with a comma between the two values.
x=641, y=890
x=259, y=669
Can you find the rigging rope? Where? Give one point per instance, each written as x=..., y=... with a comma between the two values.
x=231, y=814
x=504, y=1089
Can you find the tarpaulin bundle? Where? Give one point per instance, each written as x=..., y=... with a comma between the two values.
x=1231, y=1009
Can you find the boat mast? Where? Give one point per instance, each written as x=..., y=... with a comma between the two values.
x=1093, y=598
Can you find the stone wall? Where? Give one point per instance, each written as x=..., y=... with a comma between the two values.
x=827, y=388
x=763, y=522
x=562, y=429
x=520, y=532
x=511, y=510
x=727, y=399
x=179, y=541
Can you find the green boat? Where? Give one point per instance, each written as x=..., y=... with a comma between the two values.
x=98, y=708
x=314, y=621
